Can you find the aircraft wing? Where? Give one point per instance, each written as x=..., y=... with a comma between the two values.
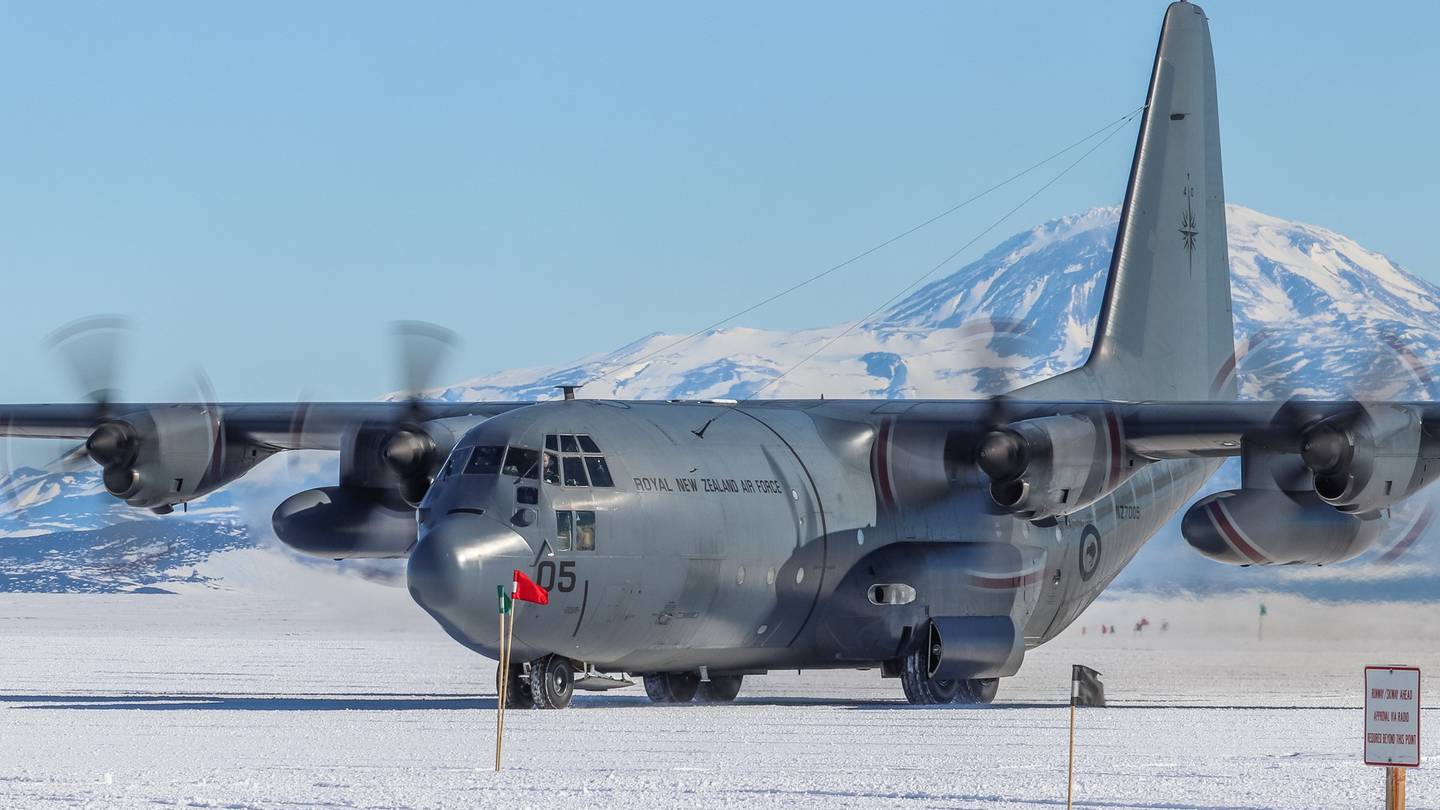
x=272, y=425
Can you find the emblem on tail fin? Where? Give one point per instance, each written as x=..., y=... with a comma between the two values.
x=1188, y=229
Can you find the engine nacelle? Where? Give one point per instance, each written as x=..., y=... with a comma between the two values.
x=1055, y=465
x=404, y=456
x=1271, y=527
x=163, y=456
x=1370, y=461
x=343, y=522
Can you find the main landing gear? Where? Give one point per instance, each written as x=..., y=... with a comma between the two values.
x=923, y=690
x=683, y=687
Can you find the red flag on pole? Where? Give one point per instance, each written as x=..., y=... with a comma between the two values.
x=524, y=589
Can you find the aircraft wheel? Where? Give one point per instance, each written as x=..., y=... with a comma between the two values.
x=672, y=687
x=552, y=682
x=519, y=696
x=920, y=688
x=977, y=690
x=719, y=689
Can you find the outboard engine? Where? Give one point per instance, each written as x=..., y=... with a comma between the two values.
x=162, y=456
x=1371, y=459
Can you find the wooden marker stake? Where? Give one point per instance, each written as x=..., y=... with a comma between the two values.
x=1070, y=772
x=503, y=679
x=1394, y=788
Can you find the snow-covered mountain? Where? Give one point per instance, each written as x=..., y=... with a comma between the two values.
x=1316, y=314
x=1313, y=309
x=61, y=531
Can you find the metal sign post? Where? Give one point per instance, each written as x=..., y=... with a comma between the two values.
x=1392, y=726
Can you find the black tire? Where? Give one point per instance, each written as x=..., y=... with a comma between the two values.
x=519, y=696
x=719, y=689
x=672, y=687
x=977, y=691
x=920, y=688
x=552, y=682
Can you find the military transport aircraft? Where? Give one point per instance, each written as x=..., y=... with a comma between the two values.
x=694, y=543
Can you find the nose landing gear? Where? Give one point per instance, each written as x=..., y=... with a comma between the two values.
x=552, y=682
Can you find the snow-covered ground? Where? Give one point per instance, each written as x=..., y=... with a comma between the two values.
x=293, y=688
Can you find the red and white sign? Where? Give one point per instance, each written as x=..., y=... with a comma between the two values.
x=1392, y=716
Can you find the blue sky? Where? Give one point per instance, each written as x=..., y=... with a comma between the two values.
x=261, y=187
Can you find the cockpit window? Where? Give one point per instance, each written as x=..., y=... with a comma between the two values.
x=484, y=461
x=522, y=463
x=575, y=473
x=572, y=468
x=585, y=531
x=564, y=529
x=574, y=530
x=599, y=471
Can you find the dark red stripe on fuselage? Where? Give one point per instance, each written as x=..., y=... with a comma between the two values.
x=1005, y=582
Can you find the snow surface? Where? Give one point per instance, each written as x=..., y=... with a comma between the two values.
x=290, y=688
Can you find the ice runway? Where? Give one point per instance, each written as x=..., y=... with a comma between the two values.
x=348, y=696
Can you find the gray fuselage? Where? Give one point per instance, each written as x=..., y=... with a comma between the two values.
x=757, y=541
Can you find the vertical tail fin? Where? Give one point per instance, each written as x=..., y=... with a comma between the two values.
x=1165, y=328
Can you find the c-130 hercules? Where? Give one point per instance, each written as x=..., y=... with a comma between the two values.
x=694, y=543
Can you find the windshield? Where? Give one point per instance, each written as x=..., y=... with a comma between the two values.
x=484, y=461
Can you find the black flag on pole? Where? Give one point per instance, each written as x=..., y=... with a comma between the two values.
x=1085, y=687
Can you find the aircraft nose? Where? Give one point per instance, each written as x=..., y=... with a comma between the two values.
x=457, y=563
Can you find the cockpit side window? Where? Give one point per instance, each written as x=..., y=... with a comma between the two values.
x=587, y=444
x=552, y=442
x=485, y=460
x=522, y=463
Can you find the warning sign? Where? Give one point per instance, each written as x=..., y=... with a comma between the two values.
x=1392, y=716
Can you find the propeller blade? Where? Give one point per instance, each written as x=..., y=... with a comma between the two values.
x=421, y=349
x=91, y=350
x=73, y=460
